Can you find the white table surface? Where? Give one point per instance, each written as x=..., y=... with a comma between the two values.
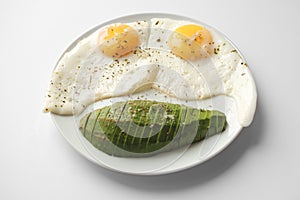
x=36, y=161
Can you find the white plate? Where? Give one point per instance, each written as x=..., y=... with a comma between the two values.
x=165, y=162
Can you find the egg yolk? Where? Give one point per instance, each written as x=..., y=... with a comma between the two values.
x=191, y=42
x=118, y=40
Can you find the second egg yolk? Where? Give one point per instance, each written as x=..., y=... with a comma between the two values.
x=191, y=42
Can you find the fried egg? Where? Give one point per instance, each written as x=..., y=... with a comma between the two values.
x=179, y=58
x=212, y=67
x=90, y=70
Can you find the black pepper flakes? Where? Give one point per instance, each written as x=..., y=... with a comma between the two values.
x=216, y=51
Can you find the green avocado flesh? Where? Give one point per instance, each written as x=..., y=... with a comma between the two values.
x=141, y=128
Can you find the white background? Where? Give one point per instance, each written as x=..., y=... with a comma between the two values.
x=36, y=161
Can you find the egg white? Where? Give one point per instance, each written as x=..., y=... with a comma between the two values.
x=84, y=75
